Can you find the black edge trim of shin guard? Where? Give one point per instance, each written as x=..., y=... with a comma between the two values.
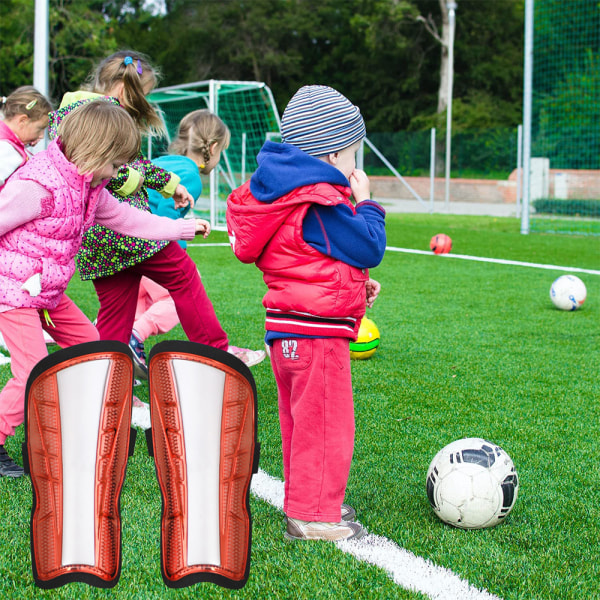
x=149, y=443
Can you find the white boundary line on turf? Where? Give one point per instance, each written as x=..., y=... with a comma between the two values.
x=407, y=570
x=500, y=261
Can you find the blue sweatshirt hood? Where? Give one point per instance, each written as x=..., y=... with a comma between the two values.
x=283, y=168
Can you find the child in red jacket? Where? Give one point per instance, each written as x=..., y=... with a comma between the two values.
x=307, y=221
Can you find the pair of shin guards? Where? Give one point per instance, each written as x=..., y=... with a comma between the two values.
x=78, y=438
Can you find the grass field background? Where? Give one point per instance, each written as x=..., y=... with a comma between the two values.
x=469, y=349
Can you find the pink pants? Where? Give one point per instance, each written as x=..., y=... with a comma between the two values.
x=316, y=415
x=173, y=269
x=22, y=332
x=155, y=312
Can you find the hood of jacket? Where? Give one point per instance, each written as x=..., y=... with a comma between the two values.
x=283, y=168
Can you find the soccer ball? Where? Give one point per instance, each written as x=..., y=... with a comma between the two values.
x=568, y=292
x=472, y=483
x=367, y=341
x=440, y=244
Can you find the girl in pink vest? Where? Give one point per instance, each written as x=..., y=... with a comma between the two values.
x=46, y=208
x=25, y=121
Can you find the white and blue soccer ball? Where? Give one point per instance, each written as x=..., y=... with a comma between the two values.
x=472, y=483
x=568, y=292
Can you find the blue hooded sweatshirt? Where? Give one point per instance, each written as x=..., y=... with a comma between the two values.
x=357, y=239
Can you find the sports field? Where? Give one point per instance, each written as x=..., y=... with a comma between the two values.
x=470, y=348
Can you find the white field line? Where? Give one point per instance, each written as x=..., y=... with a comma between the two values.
x=500, y=261
x=407, y=570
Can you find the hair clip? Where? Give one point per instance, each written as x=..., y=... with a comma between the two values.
x=139, y=66
x=31, y=104
x=127, y=60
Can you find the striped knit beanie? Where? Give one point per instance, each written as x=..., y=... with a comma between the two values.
x=319, y=121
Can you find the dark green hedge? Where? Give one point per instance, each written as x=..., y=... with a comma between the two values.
x=581, y=208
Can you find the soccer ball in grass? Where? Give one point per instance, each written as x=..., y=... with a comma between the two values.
x=472, y=483
x=367, y=341
x=568, y=292
x=440, y=244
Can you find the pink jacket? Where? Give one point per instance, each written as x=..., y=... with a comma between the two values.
x=309, y=293
x=7, y=134
x=47, y=245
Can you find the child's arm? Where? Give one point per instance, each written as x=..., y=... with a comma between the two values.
x=357, y=238
x=21, y=202
x=10, y=160
x=143, y=172
x=126, y=219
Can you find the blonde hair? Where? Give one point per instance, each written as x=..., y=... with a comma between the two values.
x=134, y=70
x=25, y=100
x=96, y=133
x=198, y=131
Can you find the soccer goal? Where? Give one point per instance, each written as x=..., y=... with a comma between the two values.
x=564, y=173
x=247, y=108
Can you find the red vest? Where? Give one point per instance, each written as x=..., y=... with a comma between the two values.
x=309, y=293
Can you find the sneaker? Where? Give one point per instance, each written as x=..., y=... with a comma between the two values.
x=140, y=369
x=248, y=357
x=8, y=467
x=348, y=514
x=318, y=530
x=140, y=414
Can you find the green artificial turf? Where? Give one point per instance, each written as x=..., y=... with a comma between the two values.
x=468, y=349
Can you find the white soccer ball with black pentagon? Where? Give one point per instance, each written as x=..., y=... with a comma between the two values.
x=568, y=292
x=472, y=483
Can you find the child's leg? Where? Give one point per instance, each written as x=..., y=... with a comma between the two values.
x=118, y=295
x=23, y=336
x=155, y=312
x=71, y=326
x=317, y=424
x=175, y=270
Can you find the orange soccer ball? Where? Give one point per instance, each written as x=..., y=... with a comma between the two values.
x=440, y=244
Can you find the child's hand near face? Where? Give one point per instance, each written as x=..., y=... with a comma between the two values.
x=202, y=227
x=360, y=185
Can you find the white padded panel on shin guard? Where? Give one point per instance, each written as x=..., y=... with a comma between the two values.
x=200, y=390
x=80, y=423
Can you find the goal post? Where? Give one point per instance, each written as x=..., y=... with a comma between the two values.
x=249, y=111
x=562, y=93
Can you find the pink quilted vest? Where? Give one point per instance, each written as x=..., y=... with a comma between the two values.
x=47, y=245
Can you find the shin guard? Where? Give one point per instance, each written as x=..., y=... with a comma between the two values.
x=203, y=412
x=77, y=428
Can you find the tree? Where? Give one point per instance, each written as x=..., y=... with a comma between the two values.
x=488, y=59
x=79, y=35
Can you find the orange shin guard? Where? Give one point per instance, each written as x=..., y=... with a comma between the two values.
x=77, y=428
x=203, y=411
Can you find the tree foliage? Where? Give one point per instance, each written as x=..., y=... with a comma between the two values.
x=377, y=52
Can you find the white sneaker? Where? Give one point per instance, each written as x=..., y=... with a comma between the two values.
x=318, y=530
x=248, y=357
